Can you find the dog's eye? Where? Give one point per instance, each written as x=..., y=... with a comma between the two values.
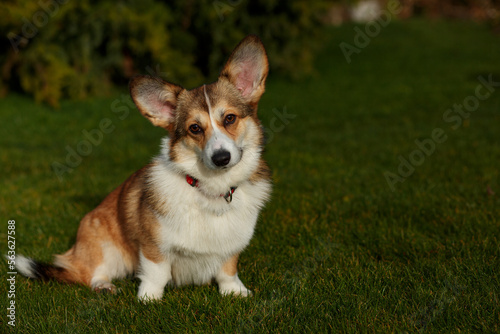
x=195, y=129
x=230, y=119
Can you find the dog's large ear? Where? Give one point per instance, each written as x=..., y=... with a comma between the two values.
x=156, y=99
x=247, y=69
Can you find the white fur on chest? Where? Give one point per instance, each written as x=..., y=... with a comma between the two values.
x=199, y=232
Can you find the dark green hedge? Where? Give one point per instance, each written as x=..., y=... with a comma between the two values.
x=57, y=49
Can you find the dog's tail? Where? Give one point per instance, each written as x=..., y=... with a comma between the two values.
x=43, y=271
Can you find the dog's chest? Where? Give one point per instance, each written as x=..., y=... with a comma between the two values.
x=198, y=237
x=198, y=230
x=197, y=233
x=191, y=222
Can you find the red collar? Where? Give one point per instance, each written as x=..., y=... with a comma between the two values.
x=194, y=183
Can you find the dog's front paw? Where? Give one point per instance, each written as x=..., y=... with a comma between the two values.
x=149, y=293
x=234, y=288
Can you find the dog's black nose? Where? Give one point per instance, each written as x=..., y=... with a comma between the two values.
x=221, y=158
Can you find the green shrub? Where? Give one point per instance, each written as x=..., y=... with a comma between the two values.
x=289, y=29
x=72, y=49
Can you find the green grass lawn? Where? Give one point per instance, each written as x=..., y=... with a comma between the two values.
x=338, y=248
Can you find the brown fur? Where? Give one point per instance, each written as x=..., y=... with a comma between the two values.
x=231, y=265
x=115, y=221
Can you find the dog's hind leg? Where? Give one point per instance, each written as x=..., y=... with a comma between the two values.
x=114, y=265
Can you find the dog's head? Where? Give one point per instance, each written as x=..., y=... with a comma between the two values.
x=213, y=126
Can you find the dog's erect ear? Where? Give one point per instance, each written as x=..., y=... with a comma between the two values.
x=156, y=99
x=247, y=69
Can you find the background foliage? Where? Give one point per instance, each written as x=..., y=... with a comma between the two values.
x=55, y=49
x=63, y=48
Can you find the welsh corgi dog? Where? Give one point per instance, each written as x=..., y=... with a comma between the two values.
x=185, y=217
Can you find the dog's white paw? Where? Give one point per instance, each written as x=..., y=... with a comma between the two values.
x=235, y=288
x=149, y=293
